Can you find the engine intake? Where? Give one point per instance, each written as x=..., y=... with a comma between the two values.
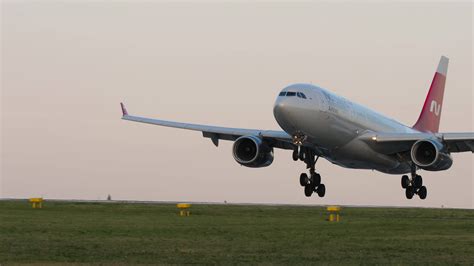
x=251, y=151
x=429, y=154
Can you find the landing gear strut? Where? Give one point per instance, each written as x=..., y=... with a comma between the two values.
x=311, y=183
x=414, y=185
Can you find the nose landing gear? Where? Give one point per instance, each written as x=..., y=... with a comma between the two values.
x=414, y=185
x=311, y=183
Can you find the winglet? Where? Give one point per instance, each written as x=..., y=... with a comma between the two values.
x=124, y=110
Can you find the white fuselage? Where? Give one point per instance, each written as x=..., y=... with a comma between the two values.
x=332, y=124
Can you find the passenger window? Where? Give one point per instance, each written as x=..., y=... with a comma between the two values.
x=291, y=93
x=283, y=93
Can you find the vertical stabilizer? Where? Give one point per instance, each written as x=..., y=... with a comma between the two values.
x=430, y=115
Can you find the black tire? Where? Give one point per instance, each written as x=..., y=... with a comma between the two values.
x=302, y=155
x=321, y=190
x=405, y=181
x=418, y=181
x=316, y=179
x=304, y=180
x=308, y=190
x=409, y=192
x=295, y=155
x=422, y=192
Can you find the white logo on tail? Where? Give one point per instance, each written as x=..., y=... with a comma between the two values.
x=435, y=107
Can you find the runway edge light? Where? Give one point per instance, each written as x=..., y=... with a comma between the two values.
x=184, y=209
x=36, y=203
x=334, y=213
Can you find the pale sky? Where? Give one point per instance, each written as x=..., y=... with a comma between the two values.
x=66, y=66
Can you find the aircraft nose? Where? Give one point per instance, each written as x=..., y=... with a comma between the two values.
x=281, y=113
x=279, y=108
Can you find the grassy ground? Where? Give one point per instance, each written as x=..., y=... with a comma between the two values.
x=227, y=234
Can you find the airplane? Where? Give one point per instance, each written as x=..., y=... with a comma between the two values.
x=318, y=123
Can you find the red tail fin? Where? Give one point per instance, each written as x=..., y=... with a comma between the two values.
x=431, y=112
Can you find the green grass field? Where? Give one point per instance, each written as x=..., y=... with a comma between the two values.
x=114, y=233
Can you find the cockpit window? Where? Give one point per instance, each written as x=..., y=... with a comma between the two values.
x=292, y=93
x=301, y=95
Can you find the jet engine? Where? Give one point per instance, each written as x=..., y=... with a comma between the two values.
x=251, y=151
x=429, y=154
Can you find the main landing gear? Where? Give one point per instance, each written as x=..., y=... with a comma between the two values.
x=311, y=183
x=414, y=185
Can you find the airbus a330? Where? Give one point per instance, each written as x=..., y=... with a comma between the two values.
x=318, y=123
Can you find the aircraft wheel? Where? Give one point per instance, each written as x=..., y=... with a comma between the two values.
x=308, y=190
x=422, y=192
x=409, y=192
x=321, y=190
x=405, y=181
x=304, y=180
x=295, y=155
x=418, y=181
x=302, y=154
x=316, y=179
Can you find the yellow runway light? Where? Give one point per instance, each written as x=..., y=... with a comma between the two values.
x=184, y=209
x=36, y=203
x=334, y=213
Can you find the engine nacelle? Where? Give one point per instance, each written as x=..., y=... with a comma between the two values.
x=430, y=155
x=251, y=151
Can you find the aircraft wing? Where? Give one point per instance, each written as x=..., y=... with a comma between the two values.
x=390, y=143
x=278, y=139
x=459, y=142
